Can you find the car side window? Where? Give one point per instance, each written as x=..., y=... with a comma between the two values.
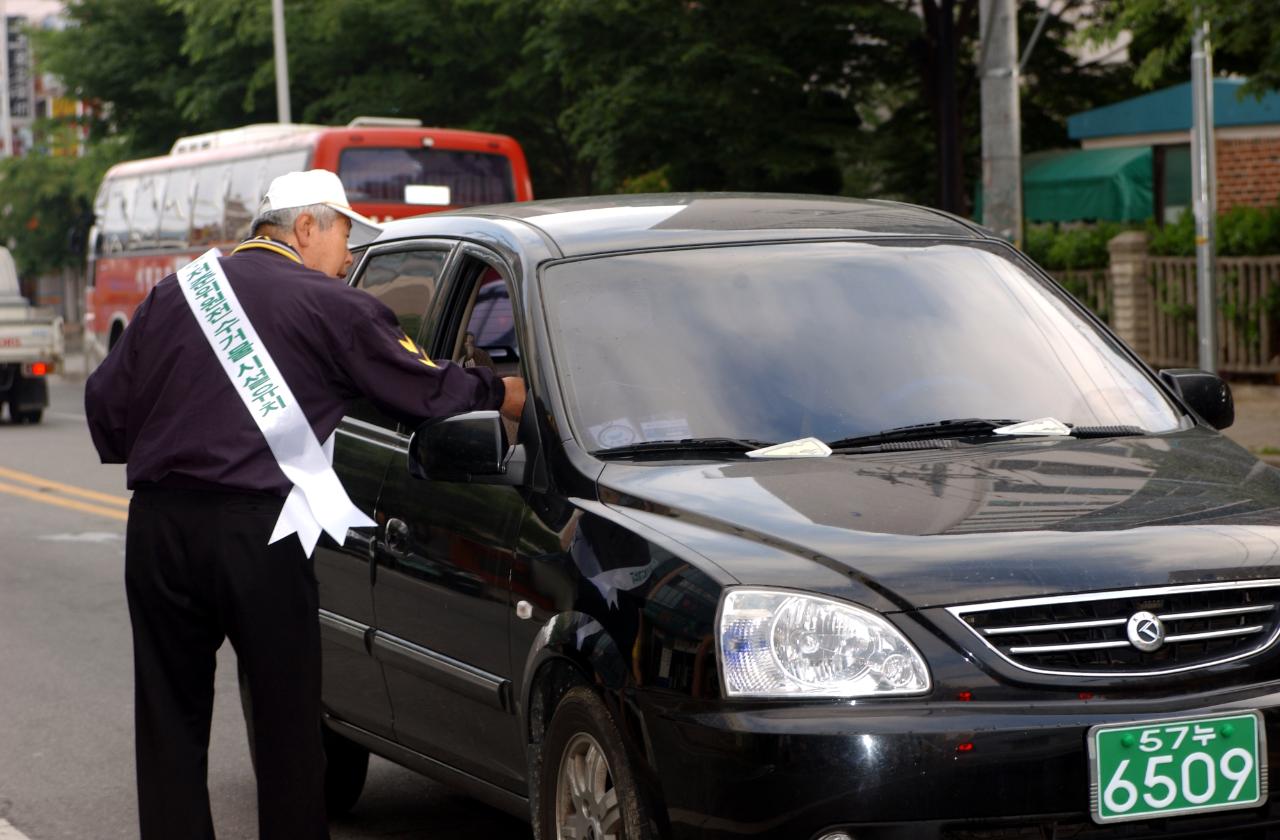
x=481, y=331
x=406, y=282
x=489, y=339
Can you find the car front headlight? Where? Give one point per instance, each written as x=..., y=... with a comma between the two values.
x=786, y=644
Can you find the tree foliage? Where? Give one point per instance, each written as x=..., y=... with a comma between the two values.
x=46, y=206
x=719, y=94
x=124, y=54
x=870, y=97
x=1245, y=35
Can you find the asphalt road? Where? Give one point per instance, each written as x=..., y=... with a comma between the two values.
x=66, y=684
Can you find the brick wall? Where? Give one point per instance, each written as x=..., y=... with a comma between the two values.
x=1248, y=172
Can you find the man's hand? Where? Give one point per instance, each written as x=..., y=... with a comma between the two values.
x=513, y=402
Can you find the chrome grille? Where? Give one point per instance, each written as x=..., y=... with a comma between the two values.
x=1090, y=634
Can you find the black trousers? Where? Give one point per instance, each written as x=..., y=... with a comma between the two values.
x=198, y=569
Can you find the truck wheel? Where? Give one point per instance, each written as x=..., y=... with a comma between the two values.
x=586, y=785
x=33, y=416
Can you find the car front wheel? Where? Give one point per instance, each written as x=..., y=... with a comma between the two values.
x=587, y=788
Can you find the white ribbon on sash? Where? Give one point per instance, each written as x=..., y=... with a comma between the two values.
x=317, y=501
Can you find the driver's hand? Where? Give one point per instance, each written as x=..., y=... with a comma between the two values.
x=513, y=402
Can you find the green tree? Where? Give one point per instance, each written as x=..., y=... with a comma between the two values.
x=167, y=68
x=125, y=55
x=912, y=138
x=1056, y=85
x=857, y=96
x=46, y=206
x=715, y=94
x=1245, y=35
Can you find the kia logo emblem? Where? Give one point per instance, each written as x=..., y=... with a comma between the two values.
x=1145, y=631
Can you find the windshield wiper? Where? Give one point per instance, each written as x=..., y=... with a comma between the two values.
x=974, y=427
x=1106, y=431
x=707, y=444
x=941, y=430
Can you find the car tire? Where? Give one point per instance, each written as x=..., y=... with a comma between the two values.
x=586, y=781
x=20, y=417
x=345, y=769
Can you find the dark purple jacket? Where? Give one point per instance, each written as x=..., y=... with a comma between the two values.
x=162, y=403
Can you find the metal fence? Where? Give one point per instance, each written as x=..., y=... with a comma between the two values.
x=1090, y=286
x=1248, y=313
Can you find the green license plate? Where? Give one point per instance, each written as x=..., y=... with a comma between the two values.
x=1163, y=768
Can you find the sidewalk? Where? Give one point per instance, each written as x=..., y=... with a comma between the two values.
x=1257, y=426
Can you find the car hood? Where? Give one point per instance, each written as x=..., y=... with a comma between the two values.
x=999, y=520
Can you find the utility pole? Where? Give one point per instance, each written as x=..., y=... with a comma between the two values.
x=950, y=155
x=282, y=63
x=6, y=121
x=1204, y=196
x=1001, y=120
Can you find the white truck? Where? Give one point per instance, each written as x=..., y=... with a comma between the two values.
x=31, y=348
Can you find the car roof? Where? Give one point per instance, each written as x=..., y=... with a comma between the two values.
x=605, y=224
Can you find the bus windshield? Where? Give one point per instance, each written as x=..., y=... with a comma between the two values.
x=433, y=177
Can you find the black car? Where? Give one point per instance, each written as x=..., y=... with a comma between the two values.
x=825, y=519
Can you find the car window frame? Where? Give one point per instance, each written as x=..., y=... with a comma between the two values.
x=455, y=299
x=362, y=262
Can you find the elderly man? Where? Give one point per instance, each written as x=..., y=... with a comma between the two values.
x=218, y=397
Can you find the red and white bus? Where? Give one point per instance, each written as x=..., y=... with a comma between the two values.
x=152, y=216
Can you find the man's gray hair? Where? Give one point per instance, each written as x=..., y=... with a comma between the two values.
x=284, y=219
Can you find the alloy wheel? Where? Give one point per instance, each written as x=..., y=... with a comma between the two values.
x=586, y=799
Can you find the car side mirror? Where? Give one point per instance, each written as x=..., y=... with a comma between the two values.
x=468, y=447
x=1204, y=393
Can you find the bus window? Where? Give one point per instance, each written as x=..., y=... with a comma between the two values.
x=145, y=220
x=461, y=178
x=243, y=196
x=278, y=165
x=206, y=212
x=100, y=199
x=115, y=221
x=175, y=215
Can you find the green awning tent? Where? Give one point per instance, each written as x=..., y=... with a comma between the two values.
x=1110, y=184
x=1086, y=184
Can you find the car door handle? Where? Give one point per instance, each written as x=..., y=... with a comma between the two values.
x=397, y=535
x=360, y=540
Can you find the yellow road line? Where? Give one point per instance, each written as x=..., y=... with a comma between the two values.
x=48, y=499
x=69, y=489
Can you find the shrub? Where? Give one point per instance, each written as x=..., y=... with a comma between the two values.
x=1175, y=239
x=1059, y=249
x=1240, y=232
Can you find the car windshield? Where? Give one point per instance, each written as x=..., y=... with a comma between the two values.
x=828, y=340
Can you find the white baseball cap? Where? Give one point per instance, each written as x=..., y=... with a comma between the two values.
x=316, y=186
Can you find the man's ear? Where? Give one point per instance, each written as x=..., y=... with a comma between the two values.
x=304, y=228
